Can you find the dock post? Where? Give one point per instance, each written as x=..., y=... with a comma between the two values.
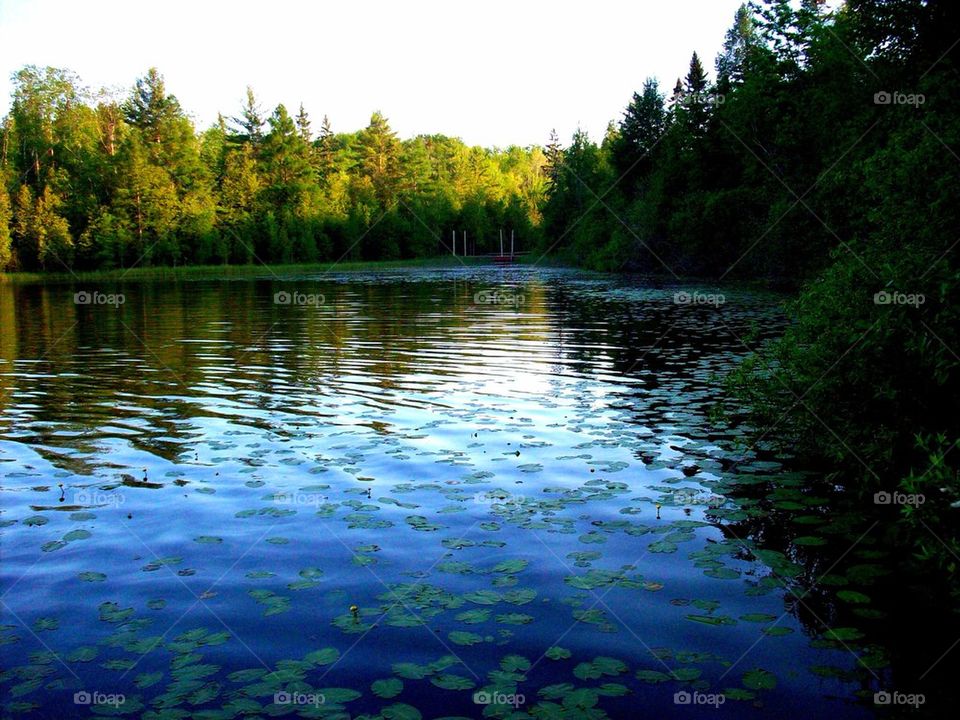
x=511, y=245
x=454, y=243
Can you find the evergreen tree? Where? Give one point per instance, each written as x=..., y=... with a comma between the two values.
x=732, y=61
x=554, y=156
x=150, y=108
x=325, y=150
x=285, y=156
x=249, y=126
x=303, y=125
x=643, y=125
x=379, y=157
x=677, y=96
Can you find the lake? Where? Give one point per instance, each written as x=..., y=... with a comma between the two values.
x=423, y=493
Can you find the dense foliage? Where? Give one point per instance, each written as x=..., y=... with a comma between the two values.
x=90, y=181
x=825, y=154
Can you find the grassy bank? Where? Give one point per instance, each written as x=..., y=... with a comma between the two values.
x=197, y=272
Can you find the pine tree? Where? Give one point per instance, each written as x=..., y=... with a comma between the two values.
x=303, y=125
x=285, y=159
x=325, y=150
x=380, y=157
x=644, y=122
x=676, y=98
x=696, y=101
x=249, y=126
x=696, y=80
x=740, y=40
x=150, y=108
x=777, y=22
x=554, y=155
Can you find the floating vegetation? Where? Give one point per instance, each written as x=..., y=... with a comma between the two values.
x=626, y=514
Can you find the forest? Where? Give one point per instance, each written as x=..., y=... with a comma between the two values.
x=99, y=182
x=821, y=155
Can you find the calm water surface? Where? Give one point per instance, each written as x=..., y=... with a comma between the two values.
x=385, y=500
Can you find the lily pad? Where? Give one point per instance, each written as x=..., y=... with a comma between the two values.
x=388, y=688
x=759, y=679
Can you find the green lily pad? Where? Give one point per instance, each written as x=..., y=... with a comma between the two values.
x=449, y=681
x=461, y=637
x=78, y=534
x=83, y=654
x=325, y=656
x=145, y=680
x=401, y=711
x=844, y=634
x=388, y=688
x=482, y=597
x=652, y=676
x=759, y=679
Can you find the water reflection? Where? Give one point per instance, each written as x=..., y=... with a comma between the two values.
x=283, y=472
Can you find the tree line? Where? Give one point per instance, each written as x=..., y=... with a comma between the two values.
x=825, y=154
x=91, y=181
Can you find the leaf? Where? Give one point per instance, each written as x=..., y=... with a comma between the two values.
x=460, y=637
x=514, y=663
x=482, y=597
x=401, y=711
x=853, y=597
x=449, y=681
x=652, y=676
x=712, y=619
x=760, y=679
x=145, y=680
x=843, y=634
x=325, y=656
x=388, y=688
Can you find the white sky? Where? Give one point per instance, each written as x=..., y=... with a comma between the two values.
x=494, y=73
